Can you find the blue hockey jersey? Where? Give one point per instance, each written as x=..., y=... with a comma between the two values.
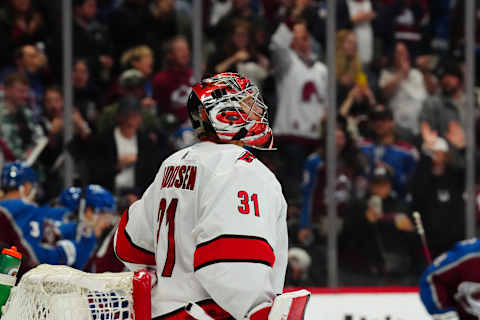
x=33, y=222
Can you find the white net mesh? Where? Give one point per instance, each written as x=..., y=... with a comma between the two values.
x=62, y=293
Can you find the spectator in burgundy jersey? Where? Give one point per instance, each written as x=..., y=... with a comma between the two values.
x=401, y=20
x=172, y=85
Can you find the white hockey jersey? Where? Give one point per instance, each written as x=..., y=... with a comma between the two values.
x=301, y=90
x=213, y=223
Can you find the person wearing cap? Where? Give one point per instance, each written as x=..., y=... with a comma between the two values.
x=125, y=156
x=444, y=114
x=378, y=229
x=437, y=194
x=385, y=149
x=130, y=83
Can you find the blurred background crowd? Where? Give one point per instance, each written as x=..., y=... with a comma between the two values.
x=400, y=102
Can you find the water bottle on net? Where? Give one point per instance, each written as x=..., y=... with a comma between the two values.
x=10, y=260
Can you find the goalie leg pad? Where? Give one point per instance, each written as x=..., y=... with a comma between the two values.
x=287, y=306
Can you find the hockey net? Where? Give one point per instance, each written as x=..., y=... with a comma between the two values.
x=62, y=293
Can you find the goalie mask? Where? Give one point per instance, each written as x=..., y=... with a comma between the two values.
x=230, y=107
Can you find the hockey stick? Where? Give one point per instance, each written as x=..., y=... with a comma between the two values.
x=421, y=233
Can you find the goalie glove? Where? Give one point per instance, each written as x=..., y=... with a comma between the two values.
x=287, y=306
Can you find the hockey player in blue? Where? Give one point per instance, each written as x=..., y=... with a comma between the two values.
x=95, y=206
x=449, y=288
x=18, y=183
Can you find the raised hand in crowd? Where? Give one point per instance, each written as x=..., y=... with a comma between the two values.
x=29, y=26
x=429, y=135
x=455, y=135
x=299, y=9
x=81, y=126
x=56, y=126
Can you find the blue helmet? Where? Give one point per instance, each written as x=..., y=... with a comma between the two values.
x=15, y=174
x=96, y=197
x=70, y=198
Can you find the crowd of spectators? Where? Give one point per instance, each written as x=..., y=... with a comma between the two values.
x=400, y=102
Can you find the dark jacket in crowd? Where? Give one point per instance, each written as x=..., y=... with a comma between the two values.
x=104, y=158
x=439, y=200
x=379, y=246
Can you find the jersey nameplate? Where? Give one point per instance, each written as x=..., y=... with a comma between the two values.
x=180, y=177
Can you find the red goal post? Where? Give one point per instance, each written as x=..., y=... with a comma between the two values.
x=59, y=292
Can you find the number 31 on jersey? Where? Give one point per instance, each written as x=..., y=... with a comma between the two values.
x=245, y=199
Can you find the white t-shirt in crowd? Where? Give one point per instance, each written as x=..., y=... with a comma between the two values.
x=126, y=177
x=407, y=101
x=363, y=30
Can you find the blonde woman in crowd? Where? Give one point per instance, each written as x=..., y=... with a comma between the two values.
x=348, y=64
x=141, y=59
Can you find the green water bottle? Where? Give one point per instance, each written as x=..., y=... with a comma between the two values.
x=10, y=260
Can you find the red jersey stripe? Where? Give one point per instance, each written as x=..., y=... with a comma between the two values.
x=126, y=250
x=233, y=248
x=209, y=306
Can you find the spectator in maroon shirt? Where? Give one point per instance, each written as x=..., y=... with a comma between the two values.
x=171, y=86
